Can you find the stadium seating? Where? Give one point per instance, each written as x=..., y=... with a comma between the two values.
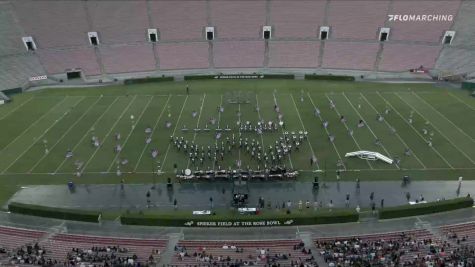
x=119, y=21
x=128, y=58
x=179, y=20
x=59, y=245
x=293, y=54
x=385, y=249
x=251, y=252
x=343, y=55
x=422, y=31
x=10, y=43
x=12, y=238
x=296, y=19
x=227, y=17
x=239, y=54
x=357, y=20
x=402, y=57
x=57, y=61
x=52, y=23
x=17, y=69
x=463, y=234
x=183, y=55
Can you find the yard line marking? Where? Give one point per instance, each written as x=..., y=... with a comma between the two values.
x=387, y=123
x=415, y=130
x=346, y=126
x=326, y=130
x=197, y=125
x=282, y=130
x=108, y=133
x=16, y=108
x=173, y=134
x=33, y=124
x=84, y=136
x=367, y=124
x=461, y=101
x=153, y=131
x=428, y=104
x=435, y=127
x=130, y=133
x=303, y=126
x=65, y=133
x=219, y=121
x=41, y=136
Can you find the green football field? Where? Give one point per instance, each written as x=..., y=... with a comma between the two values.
x=58, y=120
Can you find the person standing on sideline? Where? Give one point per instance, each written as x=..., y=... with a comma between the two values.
x=382, y=203
x=187, y=89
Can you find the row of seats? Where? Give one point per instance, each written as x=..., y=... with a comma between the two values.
x=239, y=54
x=407, y=248
x=65, y=24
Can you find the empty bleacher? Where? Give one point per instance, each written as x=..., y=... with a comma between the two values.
x=119, y=21
x=358, y=20
x=57, y=61
x=179, y=20
x=296, y=19
x=402, y=57
x=238, y=19
x=349, y=55
x=239, y=54
x=17, y=69
x=293, y=54
x=53, y=23
x=12, y=238
x=10, y=31
x=128, y=58
x=427, y=31
x=183, y=55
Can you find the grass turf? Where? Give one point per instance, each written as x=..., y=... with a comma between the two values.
x=68, y=118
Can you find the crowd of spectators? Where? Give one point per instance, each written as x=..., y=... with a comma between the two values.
x=30, y=255
x=103, y=256
x=259, y=257
x=403, y=250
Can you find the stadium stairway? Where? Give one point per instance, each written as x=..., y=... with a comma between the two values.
x=169, y=252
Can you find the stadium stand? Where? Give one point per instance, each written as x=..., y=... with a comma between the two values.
x=429, y=31
x=297, y=19
x=60, y=245
x=239, y=54
x=119, y=21
x=293, y=54
x=462, y=234
x=458, y=58
x=54, y=24
x=257, y=253
x=182, y=20
x=12, y=238
x=341, y=55
x=410, y=248
x=183, y=55
x=357, y=20
x=17, y=69
x=227, y=17
x=10, y=31
x=402, y=57
x=128, y=58
x=57, y=61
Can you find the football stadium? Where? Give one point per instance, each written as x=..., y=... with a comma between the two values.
x=293, y=133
